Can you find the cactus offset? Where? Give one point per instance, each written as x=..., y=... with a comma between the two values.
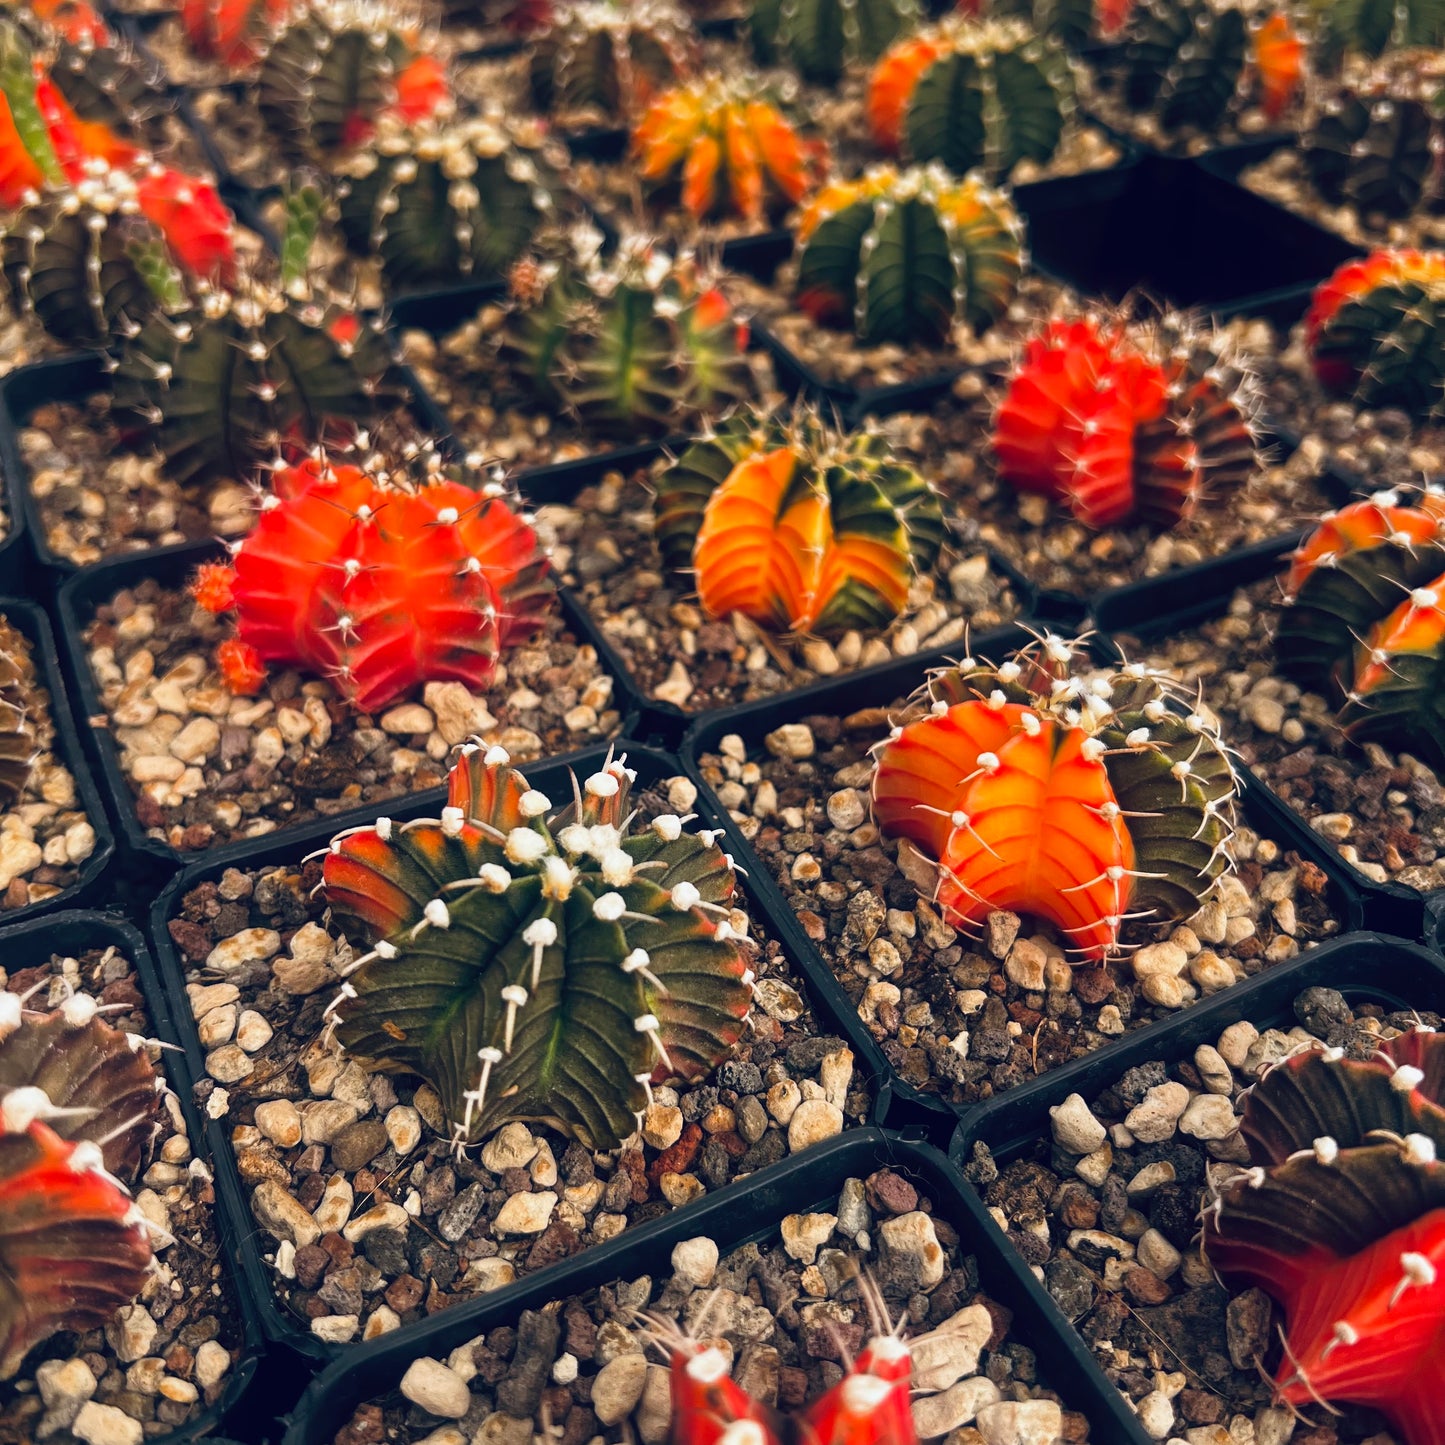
x=1123, y=424
x=972, y=95
x=1377, y=330
x=537, y=964
x=907, y=256
x=230, y=32
x=1340, y=1216
x=820, y=38
x=19, y=705
x=638, y=342
x=721, y=149
x=381, y=580
x=797, y=526
x=1077, y=795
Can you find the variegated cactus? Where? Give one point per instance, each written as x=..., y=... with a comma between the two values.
x=539, y=963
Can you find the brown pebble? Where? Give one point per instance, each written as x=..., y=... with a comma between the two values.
x=1145, y=1287
x=403, y=1293
x=890, y=1193
x=312, y=1262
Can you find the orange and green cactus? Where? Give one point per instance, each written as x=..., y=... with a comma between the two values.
x=230, y=32
x=1044, y=787
x=1377, y=330
x=536, y=963
x=908, y=256
x=797, y=526
x=723, y=149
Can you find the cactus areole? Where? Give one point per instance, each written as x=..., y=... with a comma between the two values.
x=539, y=963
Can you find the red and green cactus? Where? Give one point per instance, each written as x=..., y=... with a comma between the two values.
x=1125, y=424
x=231, y=32
x=18, y=707
x=908, y=256
x=379, y=580
x=79, y=1111
x=537, y=963
x=1340, y=1216
x=1046, y=787
x=796, y=525
x=1364, y=620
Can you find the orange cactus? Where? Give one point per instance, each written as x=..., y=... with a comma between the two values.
x=893, y=81
x=728, y=151
x=1279, y=60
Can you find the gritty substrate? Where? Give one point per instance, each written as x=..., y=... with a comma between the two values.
x=370, y=1219
x=676, y=655
x=1114, y=1227
x=964, y=1020
x=1384, y=811
x=45, y=837
x=582, y=1370
x=208, y=768
x=1104, y=101
x=166, y=1359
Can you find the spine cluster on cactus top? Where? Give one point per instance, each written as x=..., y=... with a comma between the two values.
x=972, y=95
x=538, y=963
x=907, y=256
x=1364, y=620
x=1377, y=329
x=79, y=1110
x=722, y=149
x=797, y=526
x=19, y=705
x=1044, y=787
x=1340, y=1215
x=379, y=582
x=1123, y=424
x=820, y=38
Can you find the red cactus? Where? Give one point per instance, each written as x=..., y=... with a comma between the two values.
x=380, y=585
x=229, y=31
x=199, y=230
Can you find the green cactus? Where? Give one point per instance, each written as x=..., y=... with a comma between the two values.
x=820, y=38
x=111, y=86
x=17, y=85
x=20, y=704
x=539, y=965
x=1185, y=60
x=1370, y=27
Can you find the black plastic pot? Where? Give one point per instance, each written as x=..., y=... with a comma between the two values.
x=553, y=777
x=1365, y=967
x=733, y=1217
x=94, y=883
x=70, y=934
x=881, y=687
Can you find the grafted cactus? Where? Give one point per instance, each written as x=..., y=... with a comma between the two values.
x=907, y=256
x=796, y=525
x=820, y=38
x=230, y=32
x=18, y=708
x=1050, y=788
x=539, y=964
x=972, y=95
x=1340, y=1215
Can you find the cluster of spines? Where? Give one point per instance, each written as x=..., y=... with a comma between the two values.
x=1370, y=28
x=231, y=32
x=20, y=706
x=821, y=38
x=1089, y=797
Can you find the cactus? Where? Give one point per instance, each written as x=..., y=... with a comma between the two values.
x=79, y=1109
x=1376, y=330
x=972, y=95
x=1371, y=27
x=1041, y=787
x=820, y=38
x=637, y=343
x=606, y=61
x=1073, y=23
x=908, y=255
x=1363, y=619
x=19, y=705
x=231, y=32
x=1124, y=424
x=442, y=199
x=537, y=964
x=74, y=21
x=380, y=580
x=722, y=149
x=1339, y=1217
x=797, y=526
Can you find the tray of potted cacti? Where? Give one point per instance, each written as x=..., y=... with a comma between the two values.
x=578, y=981
x=908, y=830
x=121, y=1318
x=1237, y=1210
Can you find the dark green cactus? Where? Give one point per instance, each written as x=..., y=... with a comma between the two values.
x=19, y=705
x=1370, y=27
x=820, y=38
x=1185, y=60
x=539, y=965
x=110, y=85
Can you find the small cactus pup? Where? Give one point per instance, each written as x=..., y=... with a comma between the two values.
x=719, y=148
x=1363, y=620
x=232, y=33
x=79, y=1110
x=1372, y=27
x=1376, y=331
x=796, y=525
x=537, y=963
x=379, y=579
x=908, y=256
x=1047, y=787
x=972, y=95
x=639, y=341
x=19, y=708
x=1123, y=424
x=1340, y=1216
x=603, y=62
x=821, y=38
